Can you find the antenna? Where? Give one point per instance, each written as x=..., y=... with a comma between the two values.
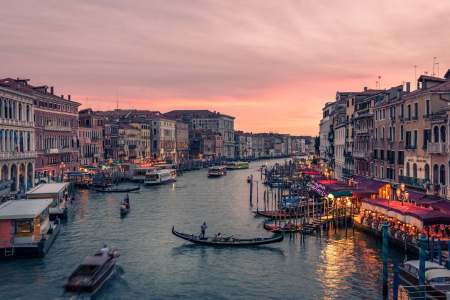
x=437, y=68
x=434, y=63
x=379, y=81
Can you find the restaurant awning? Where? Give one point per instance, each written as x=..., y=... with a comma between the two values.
x=407, y=212
x=366, y=186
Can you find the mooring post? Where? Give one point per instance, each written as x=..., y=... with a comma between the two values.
x=422, y=257
x=448, y=254
x=251, y=191
x=439, y=251
x=395, y=282
x=385, y=229
x=432, y=249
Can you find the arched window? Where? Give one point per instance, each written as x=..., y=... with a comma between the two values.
x=415, y=170
x=442, y=175
x=436, y=134
x=427, y=172
x=435, y=174
x=407, y=169
x=443, y=133
x=20, y=111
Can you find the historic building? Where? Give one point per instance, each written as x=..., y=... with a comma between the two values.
x=243, y=145
x=182, y=141
x=208, y=121
x=56, y=129
x=17, y=139
x=326, y=147
x=90, y=132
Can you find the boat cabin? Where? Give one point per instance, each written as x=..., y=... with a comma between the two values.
x=438, y=277
x=25, y=227
x=58, y=192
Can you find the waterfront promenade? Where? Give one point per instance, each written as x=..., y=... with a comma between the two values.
x=156, y=265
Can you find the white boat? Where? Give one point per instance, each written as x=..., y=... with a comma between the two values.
x=163, y=176
x=217, y=171
x=139, y=173
x=237, y=165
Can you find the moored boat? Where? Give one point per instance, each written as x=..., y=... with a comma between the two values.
x=217, y=171
x=409, y=271
x=92, y=273
x=227, y=241
x=285, y=227
x=162, y=176
x=237, y=165
x=117, y=190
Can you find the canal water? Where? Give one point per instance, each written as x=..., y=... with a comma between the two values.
x=157, y=265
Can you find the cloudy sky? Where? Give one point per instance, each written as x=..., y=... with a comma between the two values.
x=272, y=64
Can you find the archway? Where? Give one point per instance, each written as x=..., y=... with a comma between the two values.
x=436, y=134
x=14, y=177
x=22, y=174
x=443, y=133
x=427, y=172
x=30, y=172
x=4, y=173
x=442, y=175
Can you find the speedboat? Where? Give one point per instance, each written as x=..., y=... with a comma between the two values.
x=92, y=273
x=217, y=171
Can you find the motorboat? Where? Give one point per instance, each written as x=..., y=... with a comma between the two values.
x=117, y=189
x=217, y=171
x=92, y=273
x=409, y=271
x=237, y=165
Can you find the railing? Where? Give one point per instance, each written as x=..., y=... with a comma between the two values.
x=436, y=148
x=414, y=182
x=57, y=128
x=17, y=155
x=16, y=123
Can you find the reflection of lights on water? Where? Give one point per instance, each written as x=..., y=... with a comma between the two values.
x=341, y=259
x=173, y=186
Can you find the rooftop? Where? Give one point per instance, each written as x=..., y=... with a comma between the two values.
x=48, y=188
x=195, y=114
x=23, y=209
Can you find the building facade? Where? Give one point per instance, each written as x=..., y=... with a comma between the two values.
x=17, y=140
x=90, y=132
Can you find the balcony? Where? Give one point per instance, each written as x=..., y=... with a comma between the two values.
x=437, y=148
x=58, y=150
x=17, y=155
x=58, y=128
x=413, y=182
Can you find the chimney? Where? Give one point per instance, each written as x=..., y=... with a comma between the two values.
x=51, y=90
x=365, y=89
x=68, y=96
x=407, y=86
x=62, y=96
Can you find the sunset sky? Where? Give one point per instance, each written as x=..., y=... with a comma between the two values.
x=272, y=64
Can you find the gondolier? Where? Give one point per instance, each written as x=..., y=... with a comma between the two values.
x=203, y=229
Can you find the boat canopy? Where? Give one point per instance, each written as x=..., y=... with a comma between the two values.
x=96, y=260
x=23, y=209
x=433, y=274
x=48, y=188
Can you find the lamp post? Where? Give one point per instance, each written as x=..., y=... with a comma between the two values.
x=61, y=167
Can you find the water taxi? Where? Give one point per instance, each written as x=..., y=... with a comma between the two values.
x=237, y=165
x=163, y=176
x=92, y=273
x=217, y=171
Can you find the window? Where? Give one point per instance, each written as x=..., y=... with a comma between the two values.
x=427, y=107
x=402, y=110
x=409, y=112
x=408, y=140
x=443, y=133
x=382, y=154
x=427, y=172
x=415, y=139
x=401, y=133
x=436, y=134
x=442, y=175
x=407, y=169
x=415, y=170
x=416, y=110
x=24, y=226
x=401, y=157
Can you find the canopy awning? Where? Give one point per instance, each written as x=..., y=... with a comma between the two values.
x=342, y=193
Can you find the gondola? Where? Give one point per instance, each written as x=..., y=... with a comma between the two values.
x=227, y=241
x=125, y=206
x=117, y=190
x=288, y=228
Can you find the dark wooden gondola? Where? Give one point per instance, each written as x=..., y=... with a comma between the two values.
x=227, y=241
x=117, y=190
